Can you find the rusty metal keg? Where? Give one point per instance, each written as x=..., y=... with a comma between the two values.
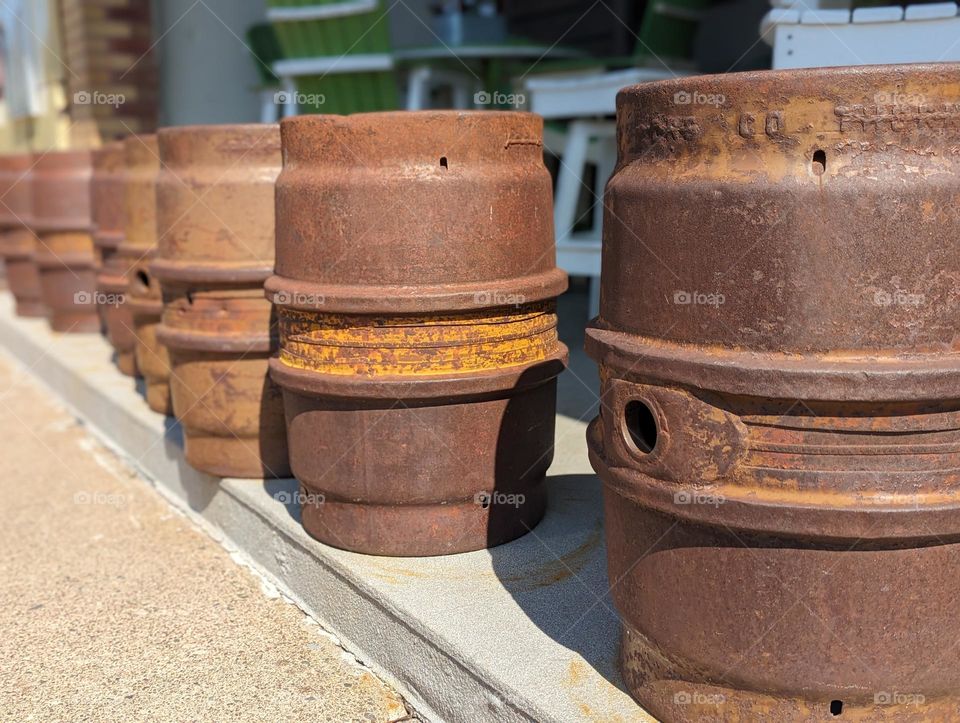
x=212, y=261
x=415, y=288
x=108, y=188
x=66, y=257
x=144, y=297
x=779, y=437
x=17, y=242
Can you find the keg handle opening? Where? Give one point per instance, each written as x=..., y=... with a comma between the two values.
x=640, y=426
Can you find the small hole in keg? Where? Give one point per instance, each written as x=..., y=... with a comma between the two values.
x=189, y=296
x=143, y=279
x=443, y=162
x=819, y=162
x=836, y=707
x=641, y=425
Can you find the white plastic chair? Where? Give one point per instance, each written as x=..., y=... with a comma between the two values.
x=806, y=36
x=588, y=101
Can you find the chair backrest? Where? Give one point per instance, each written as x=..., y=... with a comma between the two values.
x=266, y=49
x=337, y=30
x=324, y=28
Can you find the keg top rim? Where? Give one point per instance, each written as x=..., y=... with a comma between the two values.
x=62, y=158
x=110, y=157
x=403, y=115
x=138, y=146
x=12, y=162
x=810, y=79
x=213, y=129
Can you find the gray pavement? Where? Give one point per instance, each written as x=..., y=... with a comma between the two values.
x=115, y=607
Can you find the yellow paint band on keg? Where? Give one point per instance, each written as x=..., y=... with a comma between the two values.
x=415, y=345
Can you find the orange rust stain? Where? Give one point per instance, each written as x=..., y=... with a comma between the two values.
x=468, y=342
x=560, y=569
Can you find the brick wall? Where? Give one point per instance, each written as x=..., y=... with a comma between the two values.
x=112, y=76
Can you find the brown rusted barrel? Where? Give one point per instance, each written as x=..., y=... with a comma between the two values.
x=212, y=261
x=17, y=241
x=780, y=433
x=415, y=288
x=108, y=188
x=66, y=258
x=135, y=254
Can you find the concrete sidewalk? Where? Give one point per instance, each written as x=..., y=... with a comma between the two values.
x=114, y=607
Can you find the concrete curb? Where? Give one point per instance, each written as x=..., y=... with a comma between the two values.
x=525, y=631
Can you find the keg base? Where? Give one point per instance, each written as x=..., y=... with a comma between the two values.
x=246, y=458
x=127, y=363
x=73, y=323
x=665, y=695
x=420, y=530
x=32, y=308
x=158, y=397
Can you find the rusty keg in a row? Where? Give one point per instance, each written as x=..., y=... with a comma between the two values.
x=17, y=242
x=780, y=429
x=134, y=255
x=415, y=285
x=108, y=189
x=215, y=202
x=62, y=220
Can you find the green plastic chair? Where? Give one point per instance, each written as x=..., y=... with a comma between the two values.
x=266, y=51
x=338, y=50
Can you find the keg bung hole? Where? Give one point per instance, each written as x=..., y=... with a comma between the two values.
x=640, y=425
x=443, y=162
x=836, y=707
x=819, y=162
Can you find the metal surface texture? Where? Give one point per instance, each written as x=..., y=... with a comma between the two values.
x=65, y=254
x=109, y=183
x=779, y=436
x=144, y=296
x=17, y=242
x=108, y=189
x=415, y=287
x=217, y=325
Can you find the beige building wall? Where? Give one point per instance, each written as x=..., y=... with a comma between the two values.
x=33, y=110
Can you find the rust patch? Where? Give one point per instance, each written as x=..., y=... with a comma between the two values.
x=217, y=326
x=780, y=434
x=418, y=350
